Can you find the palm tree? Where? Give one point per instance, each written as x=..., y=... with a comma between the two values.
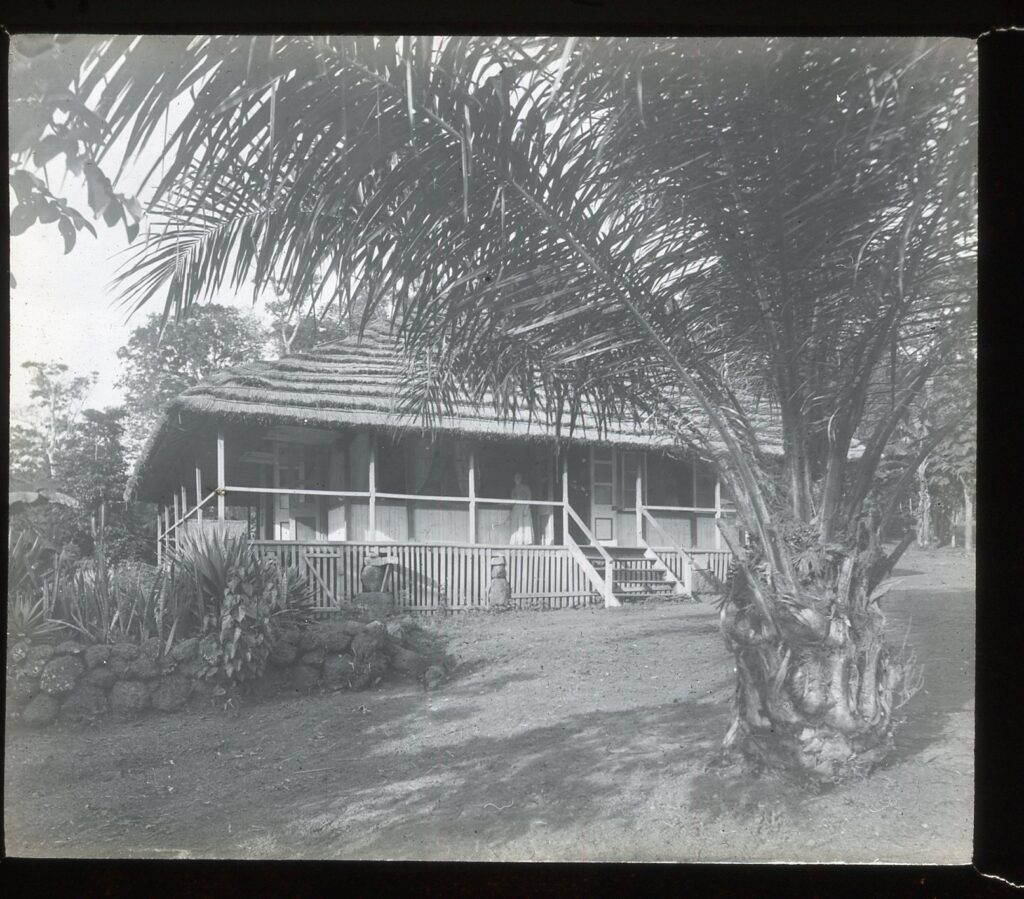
x=684, y=229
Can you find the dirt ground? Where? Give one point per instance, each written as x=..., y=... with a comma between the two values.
x=579, y=734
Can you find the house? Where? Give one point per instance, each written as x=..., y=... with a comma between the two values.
x=312, y=458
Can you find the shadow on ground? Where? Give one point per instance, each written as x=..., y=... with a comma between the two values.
x=446, y=798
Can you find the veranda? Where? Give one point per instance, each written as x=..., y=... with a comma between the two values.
x=613, y=523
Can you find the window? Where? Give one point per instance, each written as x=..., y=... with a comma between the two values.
x=390, y=468
x=706, y=480
x=670, y=481
x=630, y=463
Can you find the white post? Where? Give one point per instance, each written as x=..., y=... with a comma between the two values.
x=565, y=496
x=373, y=485
x=639, y=503
x=184, y=501
x=159, y=539
x=718, y=511
x=968, y=519
x=472, y=495
x=177, y=512
x=221, y=477
x=199, y=497
x=167, y=528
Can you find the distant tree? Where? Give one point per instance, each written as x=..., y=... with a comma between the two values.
x=294, y=328
x=163, y=358
x=77, y=451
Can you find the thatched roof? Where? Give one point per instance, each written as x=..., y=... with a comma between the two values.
x=357, y=382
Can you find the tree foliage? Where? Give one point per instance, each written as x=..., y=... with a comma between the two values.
x=680, y=229
x=50, y=120
x=162, y=359
x=78, y=451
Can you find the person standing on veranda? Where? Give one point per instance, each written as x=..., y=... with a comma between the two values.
x=522, y=515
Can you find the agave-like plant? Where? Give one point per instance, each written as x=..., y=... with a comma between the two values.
x=30, y=575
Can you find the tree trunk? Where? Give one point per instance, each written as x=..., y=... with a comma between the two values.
x=924, y=507
x=817, y=684
x=968, y=517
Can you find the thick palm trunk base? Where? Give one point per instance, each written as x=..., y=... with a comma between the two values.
x=817, y=685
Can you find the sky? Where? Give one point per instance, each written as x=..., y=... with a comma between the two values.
x=64, y=308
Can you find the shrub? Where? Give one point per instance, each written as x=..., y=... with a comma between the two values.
x=217, y=586
x=30, y=576
x=109, y=605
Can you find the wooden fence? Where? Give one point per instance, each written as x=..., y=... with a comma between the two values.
x=715, y=561
x=431, y=577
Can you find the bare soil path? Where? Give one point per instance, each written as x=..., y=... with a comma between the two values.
x=565, y=735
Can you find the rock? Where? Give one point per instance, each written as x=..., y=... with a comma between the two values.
x=84, y=703
x=408, y=662
x=185, y=651
x=143, y=668
x=283, y=654
x=314, y=658
x=378, y=605
x=204, y=687
x=19, y=652
x=370, y=670
x=124, y=651
x=338, y=670
x=129, y=697
x=352, y=627
x=395, y=631
x=192, y=668
x=69, y=648
x=36, y=660
x=171, y=693
x=304, y=678
x=103, y=677
x=433, y=676
x=209, y=649
x=309, y=641
x=152, y=648
x=273, y=681
x=335, y=638
x=366, y=643
x=119, y=667
x=41, y=711
x=96, y=655
x=498, y=593
x=21, y=689
x=290, y=634
x=61, y=674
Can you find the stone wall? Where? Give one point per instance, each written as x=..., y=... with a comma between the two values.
x=76, y=682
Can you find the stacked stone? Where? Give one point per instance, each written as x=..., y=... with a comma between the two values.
x=345, y=655
x=76, y=682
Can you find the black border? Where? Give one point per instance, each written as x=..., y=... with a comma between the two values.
x=1000, y=727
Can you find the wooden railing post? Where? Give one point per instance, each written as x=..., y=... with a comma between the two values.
x=159, y=539
x=199, y=497
x=221, y=476
x=472, y=495
x=167, y=529
x=565, y=497
x=177, y=516
x=639, y=504
x=372, y=477
x=718, y=511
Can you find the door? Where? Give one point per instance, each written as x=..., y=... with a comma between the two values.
x=602, y=495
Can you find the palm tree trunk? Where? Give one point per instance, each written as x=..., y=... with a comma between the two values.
x=817, y=686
